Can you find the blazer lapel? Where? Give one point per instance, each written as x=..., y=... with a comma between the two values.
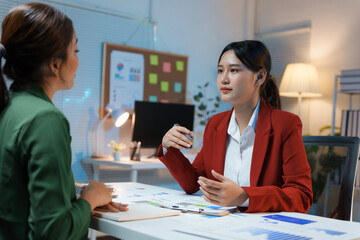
x=219, y=143
x=263, y=127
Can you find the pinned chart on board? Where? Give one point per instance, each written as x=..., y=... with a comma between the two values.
x=131, y=74
x=126, y=78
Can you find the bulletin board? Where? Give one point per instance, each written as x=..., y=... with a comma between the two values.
x=130, y=74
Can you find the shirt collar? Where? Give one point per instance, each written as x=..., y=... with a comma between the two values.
x=37, y=91
x=233, y=128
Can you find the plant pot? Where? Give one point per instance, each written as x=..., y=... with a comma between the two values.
x=117, y=156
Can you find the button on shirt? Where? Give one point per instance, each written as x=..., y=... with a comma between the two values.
x=239, y=149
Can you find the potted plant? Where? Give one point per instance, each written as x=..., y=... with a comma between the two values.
x=116, y=149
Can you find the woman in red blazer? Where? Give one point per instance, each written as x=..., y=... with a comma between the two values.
x=252, y=156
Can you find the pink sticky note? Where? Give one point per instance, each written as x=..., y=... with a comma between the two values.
x=164, y=101
x=166, y=67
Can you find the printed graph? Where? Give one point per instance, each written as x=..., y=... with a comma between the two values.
x=271, y=235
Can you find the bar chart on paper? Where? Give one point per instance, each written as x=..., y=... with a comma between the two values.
x=269, y=234
x=279, y=226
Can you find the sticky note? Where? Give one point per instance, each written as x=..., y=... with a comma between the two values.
x=177, y=87
x=180, y=66
x=154, y=60
x=164, y=101
x=153, y=78
x=166, y=67
x=164, y=86
x=152, y=98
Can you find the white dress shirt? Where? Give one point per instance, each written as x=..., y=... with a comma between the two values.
x=239, y=149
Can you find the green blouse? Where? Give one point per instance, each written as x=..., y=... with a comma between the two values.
x=37, y=193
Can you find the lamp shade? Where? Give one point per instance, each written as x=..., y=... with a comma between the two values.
x=120, y=117
x=300, y=79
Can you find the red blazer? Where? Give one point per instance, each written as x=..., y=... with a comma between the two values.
x=280, y=174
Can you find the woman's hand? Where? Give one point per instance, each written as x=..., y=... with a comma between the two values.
x=225, y=193
x=175, y=138
x=115, y=207
x=96, y=194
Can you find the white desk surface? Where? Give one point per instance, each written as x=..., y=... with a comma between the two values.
x=125, y=162
x=233, y=226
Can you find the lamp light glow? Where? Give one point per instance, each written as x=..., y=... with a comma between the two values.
x=300, y=80
x=120, y=118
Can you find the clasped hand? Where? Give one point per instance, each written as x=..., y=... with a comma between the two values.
x=98, y=195
x=225, y=193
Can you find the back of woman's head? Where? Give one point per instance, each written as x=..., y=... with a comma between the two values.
x=31, y=35
x=255, y=56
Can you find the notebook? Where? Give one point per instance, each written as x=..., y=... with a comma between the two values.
x=137, y=212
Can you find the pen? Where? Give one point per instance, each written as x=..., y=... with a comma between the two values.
x=185, y=134
x=79, y=185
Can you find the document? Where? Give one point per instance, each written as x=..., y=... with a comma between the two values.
x=137, y=212
x=170, y=199
x=205, y=208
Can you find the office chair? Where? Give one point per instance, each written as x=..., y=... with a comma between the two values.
x=333, y=162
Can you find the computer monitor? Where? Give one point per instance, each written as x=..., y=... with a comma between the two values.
x=154, y=119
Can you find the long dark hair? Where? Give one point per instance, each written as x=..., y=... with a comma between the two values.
x=255, y=56
x=31, y=35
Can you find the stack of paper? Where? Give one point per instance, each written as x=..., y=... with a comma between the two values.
x=137, y=212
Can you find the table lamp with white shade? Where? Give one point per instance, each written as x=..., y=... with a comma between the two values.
x=300, y=80
x=120, y=118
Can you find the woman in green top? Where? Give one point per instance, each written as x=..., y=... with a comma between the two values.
x=37, y=194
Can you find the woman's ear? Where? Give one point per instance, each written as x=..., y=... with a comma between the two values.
x=54, y=66
x=260, y=78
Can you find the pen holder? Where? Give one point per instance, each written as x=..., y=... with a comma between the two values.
x=135, y=152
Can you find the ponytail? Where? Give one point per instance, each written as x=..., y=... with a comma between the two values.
x=270, y=93
x=4, y=94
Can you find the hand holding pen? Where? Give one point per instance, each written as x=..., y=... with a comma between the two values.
x=178, y=137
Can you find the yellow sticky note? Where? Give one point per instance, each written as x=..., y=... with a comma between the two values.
x=153, y=78
x=154, y=60
x=180, y=66
x=164, y=86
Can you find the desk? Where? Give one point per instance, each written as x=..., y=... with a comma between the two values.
x=125, y=162
x=233, y=226
x=134, y=166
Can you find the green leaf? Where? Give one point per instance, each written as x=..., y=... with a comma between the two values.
x=218, y=98
x=202, y=107
x=217, y=105
x=200, y=94
x=206, y=84
x=200, y=115
x=202, y=123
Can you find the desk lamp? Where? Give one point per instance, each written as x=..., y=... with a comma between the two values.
x=120, y=118
x=300, y=80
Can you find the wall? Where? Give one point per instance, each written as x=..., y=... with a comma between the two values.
x=199, y=29
x=335, y=30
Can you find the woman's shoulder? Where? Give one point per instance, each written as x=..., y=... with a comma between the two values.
x=284, y=119
x=28, y=107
